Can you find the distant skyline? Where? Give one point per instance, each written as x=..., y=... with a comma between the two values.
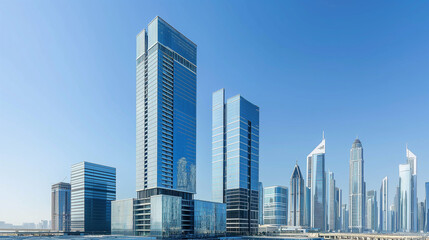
x=67, y=88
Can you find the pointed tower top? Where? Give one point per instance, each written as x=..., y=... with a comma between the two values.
x=323, y=134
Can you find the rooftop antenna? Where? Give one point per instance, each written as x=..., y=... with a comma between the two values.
x=323, y=134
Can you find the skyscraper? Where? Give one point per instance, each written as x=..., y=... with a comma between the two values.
x=166, y=77
x=93, y=188
x=316, y=182
x=427, y=206
x=421, y=216
x=296, y=200
x=60, y=208
x=405, y=200
x=371, y=211
x=261, y=204
x=235, y=161
x=275, y=205
x=339, y=202
x=412, y=160
x=356, y=188
x=384, y=206
x=345, y=218
x=332, y=203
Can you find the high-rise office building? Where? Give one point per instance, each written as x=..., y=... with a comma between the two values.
x=345, y=218
x=371, y=211
x=60, y=207
x=332, y=203
x=316, y=182
x=384, y=206
x=235, y=161
x=427, y=206
x=166, y=77
x=421, y=216
x=307, y=206
x=356, y=188
x=296, y=200
x=261, y=204
x=405, y=186
x=392, y=218
x=412, y=160
x=275, y=205
x=93, y=188
x=339, y=202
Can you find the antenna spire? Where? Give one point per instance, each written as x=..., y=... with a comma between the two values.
x=323, y=134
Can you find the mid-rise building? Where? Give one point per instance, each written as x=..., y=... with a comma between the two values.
x=235, y=161
x=60, y=207
x=371, y=211
x=296, y=200
x=275, y=205
x=93, y=188
x=384, y=207
x=316, y=182
x=356, y=188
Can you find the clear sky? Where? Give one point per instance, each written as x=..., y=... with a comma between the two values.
x=67, y=87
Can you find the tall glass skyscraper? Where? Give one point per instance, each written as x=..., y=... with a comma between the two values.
x=371, y=211
x=60, y=208
x=166, y=129
x=332, y=203
x=165, y=109
x=384, y=206
x=235, y=161
x=275, y=205
x=427, y=206
x=316, y=182
x=93, y=188
x=412, y=160
x=405, y=186
x=297, y=187
x=421, y=217
x=356, y=188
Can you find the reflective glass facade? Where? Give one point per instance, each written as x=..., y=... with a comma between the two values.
x=60, y=208
x=123, y=217
x=297, y=197
x=261, y=204
x=405, y=185
x=371, y=211
x=318, y=192
x=209, y=218
x=412, y=160
x=384, y=206
x=276, y=205
x=427, y=206
x=356, y=188
x=93, y=188
x=332, y=203
x=165, y=109
x=235, y=160
x=165, y=215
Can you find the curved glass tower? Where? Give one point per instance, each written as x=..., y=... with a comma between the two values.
x=356, y=188
x=316, y=182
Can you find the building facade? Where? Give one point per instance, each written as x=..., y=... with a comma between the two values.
x=384, y=207
x=93, y=188
x=345, y=218
x=332, y=203
x=421, y=217
x=123, y=217
x=235, y=161
x=165, y=130
x=296, y=200
x=316, y=182
x=356, y=188
x=261, y=204
x=412, y=160
x=209, y=219
x=371, y=211
x=275, y=205
x=60, y=207
x=405, y=186
x=427, y=206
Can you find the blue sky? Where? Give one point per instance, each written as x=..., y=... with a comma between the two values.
x=67, y=87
